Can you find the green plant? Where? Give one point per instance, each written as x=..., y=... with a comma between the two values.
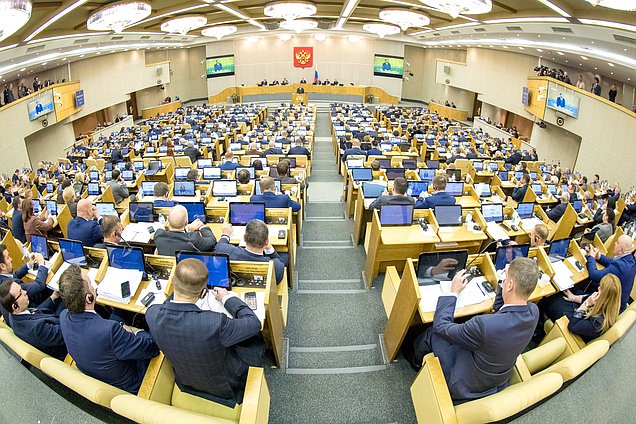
x=369, y=98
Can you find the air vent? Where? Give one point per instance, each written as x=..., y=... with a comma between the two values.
x=117, y=38
x=81, y=41
x=562, y=30
x=514, y=28
x=480, y=29
x=144, y=37
x=624, y=39
x=36, y=48
x=167, y=38
x=271, y=25
x=436, y=33
x=325, y=24
x=455, y=32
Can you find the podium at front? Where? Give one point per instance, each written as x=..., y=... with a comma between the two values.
x=299, y=98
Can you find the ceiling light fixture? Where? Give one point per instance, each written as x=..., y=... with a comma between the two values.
x=627, y=5
x=290, y=10
x=184, y=24
x=117, y=16
x=55, y=18
x=351, y=4
x=458, y=7
x=611, y=64
x=299, y=25
x=285, y=37
x=219, y=32
x=584, y=57
x=381, y=30
x=320, y=37
x=238, y=14
x=560, y=53
x=354, y=38
x=556, y=8
x=404, y=18
x=14, y=14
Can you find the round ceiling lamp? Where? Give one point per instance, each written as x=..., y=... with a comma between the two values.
x=299, y=25
x=184, y=24
x=290, y=10
x=117, y=16
x=14, y=14
x=219, y=32
x=459, y=7
x=404, y=18
x=381, y=30
x=628, y=5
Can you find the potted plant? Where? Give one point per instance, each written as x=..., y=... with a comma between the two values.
x=235, y=98
x=369, y=98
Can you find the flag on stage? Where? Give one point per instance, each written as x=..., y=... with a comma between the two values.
x=316, y=75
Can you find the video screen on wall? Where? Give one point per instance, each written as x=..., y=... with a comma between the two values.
x=79, y=98
x=41, y=106
x=563, y=99
x=219, y=66
x=388, y=66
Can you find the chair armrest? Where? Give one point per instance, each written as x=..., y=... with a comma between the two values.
x=256, y=400
x=27, y=352
x=149, y=412
x=545, y=355
x=430, y=395
x=158, y=382
x=575, y=364
x=560, y=329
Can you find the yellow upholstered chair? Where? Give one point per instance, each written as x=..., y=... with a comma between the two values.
x=92, y=389
x=433, y=404
x=183, y=161
x=63, y=218
x=24, y=350
x=545, y=359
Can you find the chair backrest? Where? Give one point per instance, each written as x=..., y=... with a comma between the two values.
x=574, y=365
x=107, y=195
x=543, y=356
x=63, y=218
x=183, y=161
x=24, y=350
x=430, y=395
x=565, y=224
x=619, y=329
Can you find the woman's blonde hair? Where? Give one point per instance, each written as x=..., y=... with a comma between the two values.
x=68, y=195
x=608, y=303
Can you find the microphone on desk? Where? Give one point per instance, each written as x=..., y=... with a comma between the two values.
x=118, y=234
x=483, y=250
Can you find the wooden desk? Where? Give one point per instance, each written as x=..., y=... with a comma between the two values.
x=449, y=112
x=162, y=109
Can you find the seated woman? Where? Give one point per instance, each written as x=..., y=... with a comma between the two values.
x=34, y=224
x=70, y=200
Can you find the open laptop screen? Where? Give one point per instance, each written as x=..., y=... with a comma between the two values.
x=506, y=254
x=448, y=215
x=396, y=214
x=241, y=213
x=218, y=266
x=433, y=267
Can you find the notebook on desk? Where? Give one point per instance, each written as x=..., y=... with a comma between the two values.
x=209, y=303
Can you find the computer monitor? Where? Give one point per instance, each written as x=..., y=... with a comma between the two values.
x=204, y=163
x=396, y=215
x=184, y=188
x=525, y=210
x=249, y=169
x=433, y=267
x=493, y=166
x=178, y=148
x=148, y=188
x=196, y=210
x=93, y=175
x=49, y=187
x=141, y=212
x=590, y=204
x=372, y=190
x=108, y=175
x=503, y=175
x=393, y=173
x=362, y=174
x=455, y=188
x=106, y=208
x=211, y=173
x=224, y=188
x=243, y=212
x=127, y=174
x=577, y=205
x=559, y=249
x=492, y=212
x=506, y=254
x=386, y=147
x=163, y=149
x=478, y=165
x=454, y=174
x=414, y=188
x=93, y=189
x=72, y=252
x=432, y=164
x=181, y=173
x=533, y=175
x=217, y=264
x=409, y=164
x=355, y=163
x=448, y=215
x=518, y=175
x=427, y=174
x=51, y=207
x=552, y=189
x=384, y=163
x=38, y=245
x=127, y=258
x=138, y=165
x=483, y=189
x=258, y=191
x=538, y=190
x=235, y=146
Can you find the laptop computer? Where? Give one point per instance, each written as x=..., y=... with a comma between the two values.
x=492, y=212
x=127, y=174
x=153, y=167
x=106, y=208
x=427, y=174
x=141, y=212
x=414, y=188
x=196, y=210
x=93, y=189
x=211, y=173
x=72, y=252
x=38, y=245
x=184, y=188
x=372, y=190
x=217, y=264
x=396, y=215
x=127, y=258
x=455, y=188
x=525, y=210
x=448, y=215
x=362, y=174
x=243, y=212
x=559, y=250
x=454, y=174
x=393, y=173
x=224, y=188
x=435, y=267
x=181, y=173
x=505, y=254
x=204, y=163
x=148, y=188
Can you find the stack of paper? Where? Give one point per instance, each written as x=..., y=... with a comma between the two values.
x=209, y=303
x=471, y=295
x=496, y=232
x=54, y=283
x=529, y=223
x=562, y=276
x=110, y=286
x=138, y=232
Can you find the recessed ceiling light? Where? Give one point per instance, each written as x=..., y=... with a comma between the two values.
x=22, y=70
x=625, y=49
x=629, y=79
x=580, y=64
x=560, y=53
x=610, y=64
x=521, y=48
x=584, y=57
x=539, y=35
x=540, y=50
x=82, y=55
x=611, y=73
x=595, y=69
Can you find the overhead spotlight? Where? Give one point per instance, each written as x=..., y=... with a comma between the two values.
x=285, y=37
x=354, y=38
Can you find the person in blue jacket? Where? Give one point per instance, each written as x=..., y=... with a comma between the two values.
x=439, y=196
x=271, y=199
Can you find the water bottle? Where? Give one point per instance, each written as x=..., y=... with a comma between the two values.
x=161, y=218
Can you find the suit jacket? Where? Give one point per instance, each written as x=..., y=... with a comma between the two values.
x=471, y=155
x=116, y=156
x=17, y=226
x=120, y=191
x=587, y=328
x=391, y=200
x=209, y=359
x=253, y=153
x=103, y=350
x=299, y=150
x=193, y=153
x=241, y=254
x=38, y=226
x=160, y=203
x=374, y=151
x=228, y=166
x=557, y=212
x=624, y=267
x=440, y=198
x=518, y=193
x=37, y=290
x=353, y=151
x=169, y=242
x=88, y=232
x=273, y=200
x=483, y=350
x=272, y=151
x=41, y=330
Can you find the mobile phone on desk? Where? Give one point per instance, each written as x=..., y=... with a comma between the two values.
x=250, y=299
x=125, y=289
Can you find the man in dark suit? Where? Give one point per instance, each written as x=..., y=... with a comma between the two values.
x=282, y=167
x=623, y=266
x=299, y=149
x=39, y=327
x=103, y=349
x=257, y=247
x=286, y=139
x=228, y=163
x=471, y=154
x=271, y=199
x=272, y=150
x=161, y=191
x=192, y=152
x=17, y=225
x=374, y=148
x=439, y=196
x=211, y=359
x=478, y=355
x=354, y=150
x=85, y=227
x=111, y=228
x=397, y=197
x=514, y=158
x=183, y=236
x=557, y=212
x=115, y=154
x=519, y=192
x=253, y=151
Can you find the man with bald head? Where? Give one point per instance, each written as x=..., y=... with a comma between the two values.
x=85, y=227
x=272, y=150
x=253, y=151
x=183, y=236
x=623, y=265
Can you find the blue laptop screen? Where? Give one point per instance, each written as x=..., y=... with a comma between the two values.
x=196, y=210
x=242, y=213
x=72, y=252
x=396, y=214
x=127, y=258
x=141, y=212
x=218, y=267
x=506, y=254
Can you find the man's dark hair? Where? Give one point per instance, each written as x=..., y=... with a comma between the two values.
x=109, y=223
x=256, y=233
x=525, y=178
x=160, y=189
x=115, y=175
x=73, y=289
x=400, y=185
x=243, y=176
x=6, y=298
x=193, y=175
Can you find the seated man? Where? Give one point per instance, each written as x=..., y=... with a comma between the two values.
x=39, y=327
x=439, y=196
x=103, y=349
x=192, y=152
x=519, y=192
x=228, y=163
x=111, y=228
x=37, y=290
x=282, y=167
x=243, y=176
x=271, y=199
x=478, y=355
x=253, y=150
x=397, y=197
x=272, y=149
x=85, y=227
x=557, y=212
x=193, y=175
x=623, y=266
x=354, y=150
x=299, y=149
x=211, y=359
x=118, y=186
x=161, y=191
x=257, y=247
x=183, y=236
x=539, y=235
x=374, y=150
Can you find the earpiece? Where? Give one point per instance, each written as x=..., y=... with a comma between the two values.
x=203, y=293
x=90, y=297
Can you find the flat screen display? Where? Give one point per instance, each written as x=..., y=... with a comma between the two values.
x=219, y=66
x=41, y=106
x=506, y=254
x=218, y=267
x=563, y=99
x=388, y=66
x=433, y=267
x=242, y=213
x=396, y=214
x=79, y=98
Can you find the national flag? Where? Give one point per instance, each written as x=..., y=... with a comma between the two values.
x=316, y=75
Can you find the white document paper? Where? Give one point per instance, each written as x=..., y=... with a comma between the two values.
x=562, y=275
x=429, y=296
x=54, y=284
x=209, y=303
x=110, y=286
x=160, y=296
x=138, y=232
x=496, y=232
x=471, y=295
x=529, y=223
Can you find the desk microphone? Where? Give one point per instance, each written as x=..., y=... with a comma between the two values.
x=194, y=247
x=118, y=234
x=482, y=251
